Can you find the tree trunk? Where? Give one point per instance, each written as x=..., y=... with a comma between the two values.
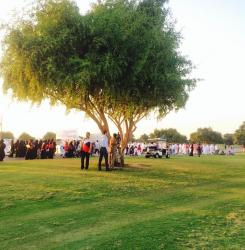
x=122, y=159
x=129, y=128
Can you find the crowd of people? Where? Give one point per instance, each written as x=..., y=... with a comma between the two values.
x=198, y=149
x=137, y=149
x=48, y=149
x=33, y=149
x=72, y=148
x=69, y=149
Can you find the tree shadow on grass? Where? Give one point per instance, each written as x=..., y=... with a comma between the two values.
x=136, y=167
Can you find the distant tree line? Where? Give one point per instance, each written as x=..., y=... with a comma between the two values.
x=202, y=135
x=206, y=135
x=6, y=135
x=26, y=137
x=171, y=135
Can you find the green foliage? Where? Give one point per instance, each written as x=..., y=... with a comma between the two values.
x=228, y=139
x=26, y=137
x=122, y=57
x=239, y=135
x=49, y=136
x=171, y=135
x=206, y=135
x=144, y=138
x=6, y=135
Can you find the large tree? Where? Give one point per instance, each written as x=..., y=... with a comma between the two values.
x=118, y=62
x=239, y=135
x=206, y=135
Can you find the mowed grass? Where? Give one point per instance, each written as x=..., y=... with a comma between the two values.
x=180, y=203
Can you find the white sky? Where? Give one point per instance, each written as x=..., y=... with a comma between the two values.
x=214, y=39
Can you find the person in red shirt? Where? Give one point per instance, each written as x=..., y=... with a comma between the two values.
x=85, y=151
x=52, y=149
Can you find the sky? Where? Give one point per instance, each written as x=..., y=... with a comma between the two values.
x=213, y=38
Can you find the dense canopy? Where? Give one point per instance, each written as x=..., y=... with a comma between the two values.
x=206, y=135
x=171, y=135
x=239, y=135
x=120, y=61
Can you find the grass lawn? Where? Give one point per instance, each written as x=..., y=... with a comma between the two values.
x=180, y=203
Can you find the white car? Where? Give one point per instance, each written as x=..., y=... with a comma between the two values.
x=153, y=151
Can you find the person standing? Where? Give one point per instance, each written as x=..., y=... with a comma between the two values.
x=199, y=150
x=66, y=147
x=17, y=149
x=96, y=148
x=12, y=149
x=71, y=150
x=113, y=151
x=52, y=149
x=192, y=150
x=104, y=151
x=35, y=149
x=29, y=150
x=43, y=150
x=85, y=151
x=2, y=150
x=167, y=154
